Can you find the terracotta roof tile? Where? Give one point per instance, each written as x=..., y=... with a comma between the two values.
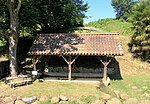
x=76, y=44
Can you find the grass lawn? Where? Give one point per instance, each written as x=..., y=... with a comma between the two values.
x=134, y=86
x=73, y=89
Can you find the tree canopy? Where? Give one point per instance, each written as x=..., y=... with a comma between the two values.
x=137, y=12
x=140, y=42
x=51, y=16
x=122, y=8
x=45, y=16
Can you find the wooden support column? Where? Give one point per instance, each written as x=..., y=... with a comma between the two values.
x=35, y=61
x=105, y=70
x=69, y=62
x=69, y=67
x=105, y=62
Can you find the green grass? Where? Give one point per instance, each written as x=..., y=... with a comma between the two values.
x=112, y=25
x=69, y=102
x=45, y=102
x=133, y=85
x=53, y=89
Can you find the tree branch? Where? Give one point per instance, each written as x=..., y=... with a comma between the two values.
x=18, y=6
x=9, y=5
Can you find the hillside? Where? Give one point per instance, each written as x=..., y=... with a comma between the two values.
x=128, y=64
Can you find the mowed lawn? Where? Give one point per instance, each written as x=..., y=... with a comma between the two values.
x=135, y=86
x=74, y=89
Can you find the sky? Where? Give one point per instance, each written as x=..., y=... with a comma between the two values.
x=99, y=9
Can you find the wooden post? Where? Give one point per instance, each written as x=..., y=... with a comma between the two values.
x=105, y=70
x=69, y=62
x=105, y=63
x=69, y=68
x=34, y=63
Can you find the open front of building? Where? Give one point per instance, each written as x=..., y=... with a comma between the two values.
x=70, y=46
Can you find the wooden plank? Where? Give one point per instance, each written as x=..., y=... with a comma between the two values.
x=12, y=84
x=21, y=79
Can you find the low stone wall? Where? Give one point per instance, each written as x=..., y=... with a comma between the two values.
x=104, y=98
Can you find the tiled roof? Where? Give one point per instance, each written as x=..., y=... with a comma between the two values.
x=77, y=44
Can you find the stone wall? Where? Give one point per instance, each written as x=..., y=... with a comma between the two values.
x=104, y=98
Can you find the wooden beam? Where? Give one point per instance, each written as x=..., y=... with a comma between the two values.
x=65, y=59
x=74, y=59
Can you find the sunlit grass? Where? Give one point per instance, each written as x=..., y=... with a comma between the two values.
x=133, y=85
x=54, y=89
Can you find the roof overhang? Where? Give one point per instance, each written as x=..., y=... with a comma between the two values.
x=97, y=44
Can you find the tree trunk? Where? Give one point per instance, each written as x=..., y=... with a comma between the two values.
x=12, y=54
x=13, y=35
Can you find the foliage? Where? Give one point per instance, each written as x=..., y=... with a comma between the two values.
x=52, y=16
x=46, y=16
x=140, y=42
x=4, y=20
x=122, y=8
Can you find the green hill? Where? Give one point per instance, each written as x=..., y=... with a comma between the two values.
x=112, y=25
x=128, y=64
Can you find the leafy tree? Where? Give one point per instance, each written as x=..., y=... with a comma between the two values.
x=51, y=16
x=140, y=42
x=122, y=8
x=36, y=16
